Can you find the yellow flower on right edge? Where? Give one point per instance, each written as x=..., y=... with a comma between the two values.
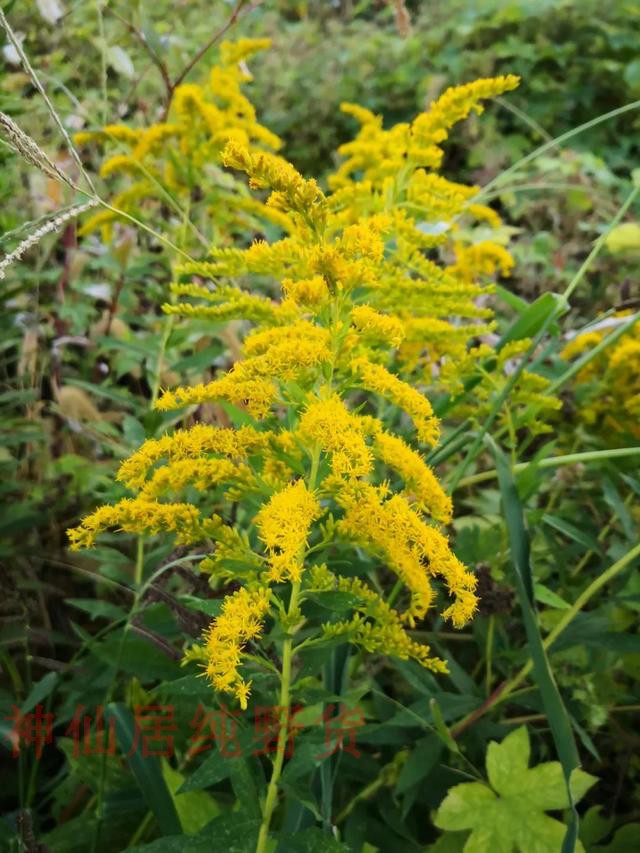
x=608, y=386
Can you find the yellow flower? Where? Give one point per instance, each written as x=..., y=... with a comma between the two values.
x=609, y=384
x=307, y=291
x=376, y=627
x=376, y=378
x=139, y=515
x=329, y=424
x=368, y=314
x=420, y=481
x=412, y=548
x=387, y=329
x=283, y=525
x=202, y=474
x=257, y=395
x=240, y=622
x=191, y=443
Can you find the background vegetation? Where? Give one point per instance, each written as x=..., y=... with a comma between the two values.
x=84, y=349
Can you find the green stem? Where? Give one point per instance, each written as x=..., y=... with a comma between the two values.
x=139, y=562
x=597, y=246
x=283, y=733
x=553, y=143
x=166, y=332
x=489, y=653
x=552, y=462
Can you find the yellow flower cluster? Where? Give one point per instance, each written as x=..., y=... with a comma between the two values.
x=283, y=524
x=240, y=622
x=609, y=383
x=137, y=515
x=391, y=173
x=326, y=377
x=337, y=431
x=530, y=389
x=168, y=160
x=376, y=626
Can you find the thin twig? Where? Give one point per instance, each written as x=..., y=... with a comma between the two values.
x=214, y=38
x=157, y=61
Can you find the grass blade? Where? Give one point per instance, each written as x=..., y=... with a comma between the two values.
x=147, y=771
x=543, y=675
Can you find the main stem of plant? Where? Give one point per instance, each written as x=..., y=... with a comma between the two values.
x=285, y=689
x=283, y=732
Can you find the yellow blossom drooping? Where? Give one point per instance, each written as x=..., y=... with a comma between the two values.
x=202, y=474
x=240, y=622
x=420, y=481
x=139, y=515
x=256, y=394
x=284, y=523
x=192, y=443
x=377, y=378
x=376, y=626
x=412, y=548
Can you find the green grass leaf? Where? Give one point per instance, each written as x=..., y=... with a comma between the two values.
x=551, y=699
x=146, y=770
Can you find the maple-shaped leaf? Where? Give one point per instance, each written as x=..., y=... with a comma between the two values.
x=510, y=815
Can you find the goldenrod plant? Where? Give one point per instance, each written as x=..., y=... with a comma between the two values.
x=275, y=633
x=330, y=460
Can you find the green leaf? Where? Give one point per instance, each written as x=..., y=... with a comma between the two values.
x=531, y=321
x=547, y=596
x=233, y=833
x=512, y=299
x=511, y=813
x=627, y=838
x=441, y=728
x=98, y=609
x=572, y=532
x=195, y=809
x=218, y=766
x=421, y=761
x=334, y=600
x=146, y=770
x=313, y=840
x=40, y=691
